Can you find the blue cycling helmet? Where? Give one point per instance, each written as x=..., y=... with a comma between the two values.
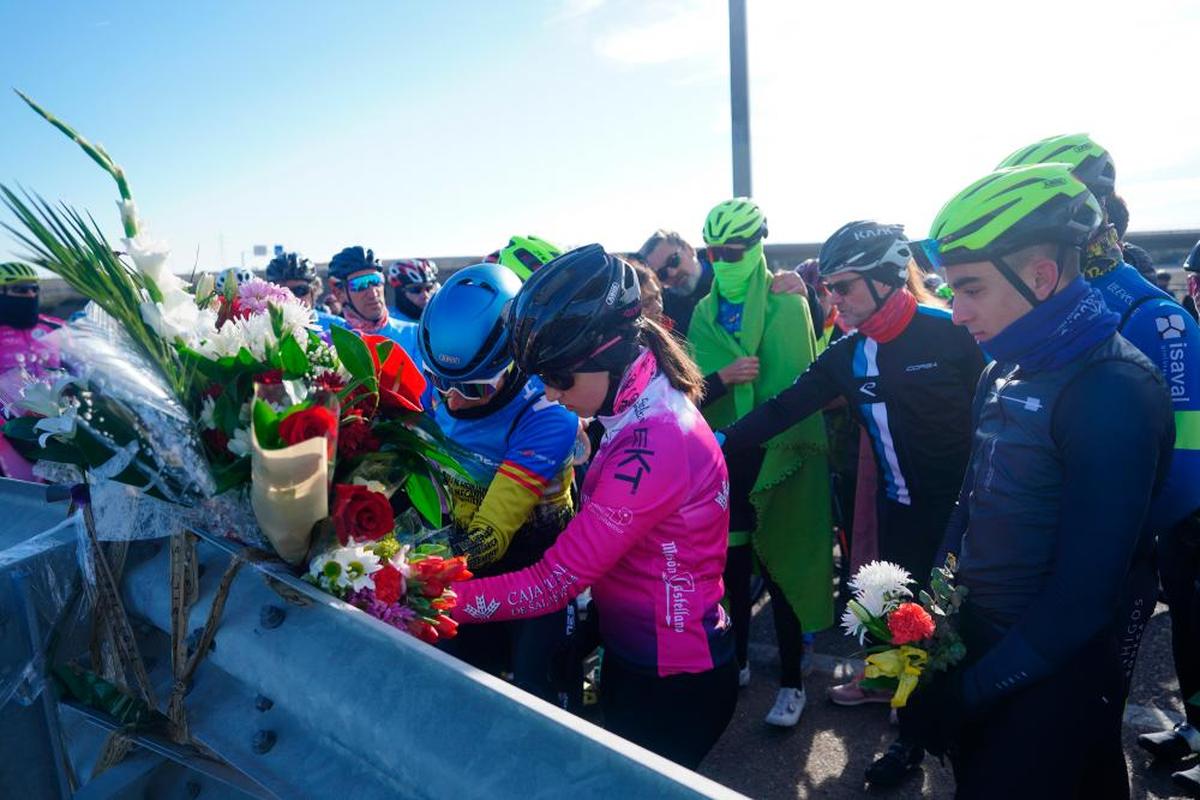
x=351, y=260
x=463, y=339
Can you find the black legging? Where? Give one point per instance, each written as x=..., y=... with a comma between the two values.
x=680, y=717
x=1179, y=568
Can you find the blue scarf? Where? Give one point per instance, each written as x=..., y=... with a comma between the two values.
x=1058, y=331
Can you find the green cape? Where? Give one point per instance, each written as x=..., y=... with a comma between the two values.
x=791, y=496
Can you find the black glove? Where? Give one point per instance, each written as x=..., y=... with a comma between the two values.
x=935, y=714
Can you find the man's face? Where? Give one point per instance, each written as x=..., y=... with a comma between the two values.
x=676, y=266
x=419, y=293
x=302, y=289
x=985, y=303
x=365, y=292
x=852, y=297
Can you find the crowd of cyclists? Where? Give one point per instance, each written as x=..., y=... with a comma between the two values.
x=645, y=440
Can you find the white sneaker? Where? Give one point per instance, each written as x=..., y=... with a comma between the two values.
x=744, y=677
x=789, y=703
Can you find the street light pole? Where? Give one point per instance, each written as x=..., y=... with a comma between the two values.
x=739, y=98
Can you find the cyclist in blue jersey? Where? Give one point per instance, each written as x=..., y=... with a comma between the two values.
x=1158, y=326
x=414, y=281
x=517, y=497
x=295, y=273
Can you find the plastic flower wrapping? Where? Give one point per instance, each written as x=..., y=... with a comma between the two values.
x=227, y=412
x=909, y=637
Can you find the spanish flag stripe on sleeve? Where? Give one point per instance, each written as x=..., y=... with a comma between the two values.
x=524, y=477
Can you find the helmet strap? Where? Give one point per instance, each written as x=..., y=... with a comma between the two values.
x=879, y=301
x=1022, y=288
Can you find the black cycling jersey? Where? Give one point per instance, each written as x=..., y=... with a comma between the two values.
x=912, y=394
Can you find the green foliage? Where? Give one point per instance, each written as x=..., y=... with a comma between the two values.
x=424, y=497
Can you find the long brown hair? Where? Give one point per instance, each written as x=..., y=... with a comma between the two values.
x=673, y=360
x=916, y=285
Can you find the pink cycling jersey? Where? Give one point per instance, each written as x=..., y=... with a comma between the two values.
x=650, y=538
x=28, y=347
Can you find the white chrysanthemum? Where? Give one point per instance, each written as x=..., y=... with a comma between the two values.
x=358, y=565
x=853, y=626
x=298, y=319
x=880, y=586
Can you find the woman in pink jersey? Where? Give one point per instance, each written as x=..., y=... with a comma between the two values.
x=650, y=536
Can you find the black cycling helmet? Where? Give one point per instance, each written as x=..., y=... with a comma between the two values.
x=290, y=267
x=1192, y=262
x=571, y=309
x=880, y=252
x=352, y=260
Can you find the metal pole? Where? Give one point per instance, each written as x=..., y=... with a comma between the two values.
x=739, y=98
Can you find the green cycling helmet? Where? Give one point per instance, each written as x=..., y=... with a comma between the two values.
x=15, y=272
x=1007, y=210
x=738, y=221
x=525, y=254
x=1089, y=162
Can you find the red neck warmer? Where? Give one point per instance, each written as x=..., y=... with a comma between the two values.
x=892, y=317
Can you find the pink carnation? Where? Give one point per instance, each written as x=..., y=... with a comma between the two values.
x=255, y=295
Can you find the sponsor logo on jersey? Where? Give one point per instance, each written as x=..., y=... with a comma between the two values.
x=482, y=608
x=1176, y=369
x=920, y=367
x=679, y=586
x=1169, y=326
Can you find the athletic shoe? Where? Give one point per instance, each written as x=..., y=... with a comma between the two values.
x=744, y=677
x=891, y=768
x=1189, y=779
x=789, y=704
x=1169, y=745
x=852, y=694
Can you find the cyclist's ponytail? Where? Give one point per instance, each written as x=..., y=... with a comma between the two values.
x=673, y=360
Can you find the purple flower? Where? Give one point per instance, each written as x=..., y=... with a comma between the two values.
x=394, y=614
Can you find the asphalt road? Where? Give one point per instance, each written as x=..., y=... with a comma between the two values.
x=825, y=755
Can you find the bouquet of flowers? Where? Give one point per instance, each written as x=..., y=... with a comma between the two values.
x=189, y=393
x=909, y=637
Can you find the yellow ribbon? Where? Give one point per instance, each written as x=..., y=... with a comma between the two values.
x=903, y=663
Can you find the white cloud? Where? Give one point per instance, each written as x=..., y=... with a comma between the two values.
x=666, y=33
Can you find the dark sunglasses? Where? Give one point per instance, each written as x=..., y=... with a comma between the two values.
x=669, y=266
x=364, y=282
x=419, y=288
x=559, y=381
x=22, y=289
x=842, y=288
x=728, y=253
x=300, y=291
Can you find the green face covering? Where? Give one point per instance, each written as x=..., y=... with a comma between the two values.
x=733, y=278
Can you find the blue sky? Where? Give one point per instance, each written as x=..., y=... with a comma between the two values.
x=441, y=128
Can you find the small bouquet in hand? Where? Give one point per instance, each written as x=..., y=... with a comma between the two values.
x=909, y=637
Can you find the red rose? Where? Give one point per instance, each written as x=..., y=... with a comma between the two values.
x=910, y=623
x=355, y=438
x=216, y=440
x=400, y=382
x=389, y=584
x=360, y=514
x=310, y=423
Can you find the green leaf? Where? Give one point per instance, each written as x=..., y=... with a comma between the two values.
x=424, y=498
x=266, y=425
x=246, y=358
x=276, y=314
x=879, y=684
x=295, y=362
x=354, y=355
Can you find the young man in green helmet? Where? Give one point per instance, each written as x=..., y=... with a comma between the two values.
x=1073, y=437
x=779, y=494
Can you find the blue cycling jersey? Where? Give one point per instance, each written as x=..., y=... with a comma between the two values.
x=1157, y=325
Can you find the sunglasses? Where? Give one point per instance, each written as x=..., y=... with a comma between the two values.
x=842, y=288
x=364, y=282
x=469, y=390
x=669, y=266
x=728, y=253
x=300, y=291
x=22, y=289
x=559, y=381
x=419, y=288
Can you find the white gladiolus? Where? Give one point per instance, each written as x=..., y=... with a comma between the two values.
x=149, y=256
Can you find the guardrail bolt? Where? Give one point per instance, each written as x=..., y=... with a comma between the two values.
x=264, y=740
x=271, y=616
x=263, y=703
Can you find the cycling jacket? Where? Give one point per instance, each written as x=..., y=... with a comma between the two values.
x=28, y=347
x=649, y=539
x=912, y=394
x=1167, y=335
